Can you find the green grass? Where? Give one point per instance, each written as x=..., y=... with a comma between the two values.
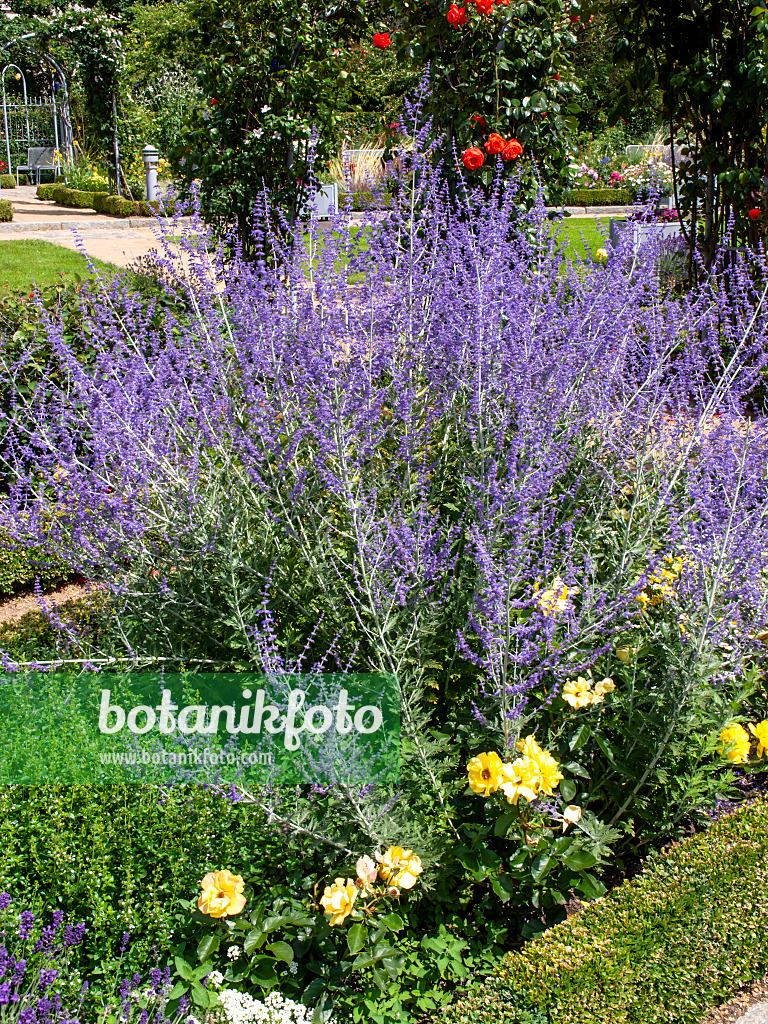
x=27, y=261
x=573, y=229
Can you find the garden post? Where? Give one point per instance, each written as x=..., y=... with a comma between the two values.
x=150, y=156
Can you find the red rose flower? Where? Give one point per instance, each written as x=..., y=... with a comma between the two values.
x=574, y=18
x=495, y=144
x=502, y=2
x=754, y=214
x=480, y=120
x=557, y=76
x=457, y=16
x=381, y=40
x=214, y=101
x=473, y=158
x=512, y=150
x=484, y=6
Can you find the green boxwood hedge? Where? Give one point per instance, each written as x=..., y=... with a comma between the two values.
x=102, y=202
x=7, y=181
x=6, y=210
x=600, y=197
x=668, y=945
x=46, y=191
x=19, y=567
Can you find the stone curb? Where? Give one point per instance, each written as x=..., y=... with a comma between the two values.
x=14, y=227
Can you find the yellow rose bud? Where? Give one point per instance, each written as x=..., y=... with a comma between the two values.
x=571, y=815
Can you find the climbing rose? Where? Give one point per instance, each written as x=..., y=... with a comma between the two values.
x=473, y=158
x=754, y=214
x=574, y=18
x=381, y=40
x=511, y=150
x=484, y=6
x=557, y=76
x=495, y=144
x=457, y=16
x=480, y=120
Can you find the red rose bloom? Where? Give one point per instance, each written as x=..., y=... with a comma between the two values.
x=381, y=40
x=473, y=158
x=512, y=150
x=495, y=144
x=502, y=2
x=754, y=214
x=557, y=76
x=457, y=16
x=214, y=101
x=484, y=6
x=574, y=18
x=480, y=120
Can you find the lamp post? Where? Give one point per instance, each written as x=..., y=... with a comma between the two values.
x=150, y=155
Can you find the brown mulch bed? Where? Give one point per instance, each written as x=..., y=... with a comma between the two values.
x=12, y=608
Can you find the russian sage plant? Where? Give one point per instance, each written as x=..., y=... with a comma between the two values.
x=487, y=468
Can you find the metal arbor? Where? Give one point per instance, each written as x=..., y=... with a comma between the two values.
x=35, y=121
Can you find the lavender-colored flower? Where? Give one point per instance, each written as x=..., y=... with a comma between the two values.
x=5, y=900
x=25, y=928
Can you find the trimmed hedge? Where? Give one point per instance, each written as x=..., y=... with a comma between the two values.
x=7, y=181
x=600, y=197
x=363, y=200
x=668, y=945
x=102, y=202
x=6, y=210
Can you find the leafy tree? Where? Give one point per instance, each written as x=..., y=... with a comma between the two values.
x=505, y=64
x=158, y=42
x=270, y=70
x=708, y=59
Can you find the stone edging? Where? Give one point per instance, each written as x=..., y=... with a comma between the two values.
x=14, y=227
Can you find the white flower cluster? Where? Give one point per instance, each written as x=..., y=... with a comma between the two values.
x=234, y=952
x=240, y=1008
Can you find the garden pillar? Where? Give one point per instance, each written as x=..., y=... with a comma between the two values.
x=150, y=156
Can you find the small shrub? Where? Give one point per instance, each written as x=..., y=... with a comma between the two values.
x=599, y=197
x=7, y=181
x=667, y=945
x=19, y=566
x=6, y=210
x=98, y=200
x=46, y=191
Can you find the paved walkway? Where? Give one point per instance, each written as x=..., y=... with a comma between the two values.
x=118, y=240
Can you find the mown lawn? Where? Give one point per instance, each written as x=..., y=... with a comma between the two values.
x=27, y=261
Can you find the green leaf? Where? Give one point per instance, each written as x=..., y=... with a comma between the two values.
x=392, y=921
x=178, y=990
x=183, y=969
x=567, y=790
x=253, y=940
x=580, y=737
x=282, y=951
x=356, y=937
x=580, y=860
x=208, y=945
x=502, y=825
x=199, y=995
x=591, y=887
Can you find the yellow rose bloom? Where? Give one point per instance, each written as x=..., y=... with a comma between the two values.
x=734, y=744
x=555, y=599
x=549, y=773
x=601, y=255
x=529, y=747
x=760, y=732
x=399, y=867
x=338, y=900
x=484, y=773
x=222, y=894
x=520, y=778
x=576, y=692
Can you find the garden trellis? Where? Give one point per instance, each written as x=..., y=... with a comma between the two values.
x=35, y=121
